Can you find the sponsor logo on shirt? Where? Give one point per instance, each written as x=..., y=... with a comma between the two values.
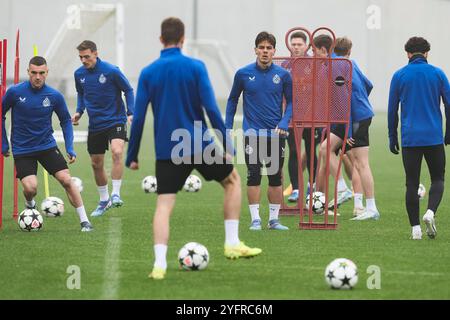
x=276, y=79
x=22, y=99
x=102, y=78
x=252, y=78
x=46, y=102
x=82, y=80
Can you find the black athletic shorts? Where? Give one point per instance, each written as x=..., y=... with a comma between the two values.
x=171, y=177
x=361, y=133
x=51, y=159
x=98, y=142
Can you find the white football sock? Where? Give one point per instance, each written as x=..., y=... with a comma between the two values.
x=82, y=214
x=160, y=256
x=370, y=204
x=254, y=211
x=30, y=204
x=231, y=232
x=116, y=187
x=416, y=229
x=103, y=192
x=274, y=209
x=429, y=211
x=358, y=198
x=342, y=186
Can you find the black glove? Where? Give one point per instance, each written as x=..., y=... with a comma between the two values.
x=447, y=137
x=393, y=144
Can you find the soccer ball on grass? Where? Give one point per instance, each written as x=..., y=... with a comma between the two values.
x=421, y=191
x=30, y=220
x=52, y=207
x=193, y=256
x=149, y=184
x=341, y=273
x=318, y=202
x=193, y=183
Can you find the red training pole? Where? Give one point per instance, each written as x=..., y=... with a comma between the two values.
x=16, y=81
x=3, y=47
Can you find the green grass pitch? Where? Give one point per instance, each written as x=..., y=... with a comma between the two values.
x=115, y=259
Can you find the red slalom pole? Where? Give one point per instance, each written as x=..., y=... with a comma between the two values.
x=16, y=81
x=3, y=48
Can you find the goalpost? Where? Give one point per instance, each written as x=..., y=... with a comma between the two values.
x=82, y=21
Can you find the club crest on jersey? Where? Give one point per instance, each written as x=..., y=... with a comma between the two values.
x=102, y=79
x=22, y=99
x=248, y=149
x=46, y=102
x=276, y=79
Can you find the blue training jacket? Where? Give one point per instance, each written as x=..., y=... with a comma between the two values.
x=419, y=87
x=178, y=89
x=100, y=93
x=31, y=114
x=264, y=90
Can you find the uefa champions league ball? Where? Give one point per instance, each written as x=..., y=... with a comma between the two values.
x=193, y=256
x=318, y=202
x=52, y=207
x=78, y=183
x=149, y=184
x=341, y=273
x=193, y=183
x=421, y=191
x=30, y=220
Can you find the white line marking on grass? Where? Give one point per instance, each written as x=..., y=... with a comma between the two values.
x=111, y=277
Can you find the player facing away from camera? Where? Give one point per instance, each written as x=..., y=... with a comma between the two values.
x=178, y=89
x=32, y=104
x=99, y=86
x=263, y=85
x=321, y=49
x=419, y=88
x=361, y=114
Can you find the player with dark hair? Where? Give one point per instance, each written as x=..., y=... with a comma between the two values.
x=263, y=85
x=178, y=89
x=100, y=86
x=419, y=88
x=32, y=104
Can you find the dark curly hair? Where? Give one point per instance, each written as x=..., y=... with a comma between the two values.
x=265, y=36
x=416, y=45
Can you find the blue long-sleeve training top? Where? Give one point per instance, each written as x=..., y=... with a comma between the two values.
x=100, y=93
x=263, y=92
x=418, y=87
x=178, y=89
x=31, y=114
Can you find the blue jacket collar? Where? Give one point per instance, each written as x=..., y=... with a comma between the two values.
x=263, y=70
x=170, y=51
x=418, y=58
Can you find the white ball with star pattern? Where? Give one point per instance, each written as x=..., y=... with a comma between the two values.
x=30, y=220
x=341, y=273
x=193, y=256
x=193, y=183
x=149, y=184
x=318, y=202
x=52, y=207
x=78, y=183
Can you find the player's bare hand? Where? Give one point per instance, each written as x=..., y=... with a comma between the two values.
x=130, y=119
x=351, y=142
x=134, y=165
x=281, y=132
x=75, y=118
x=71, y=159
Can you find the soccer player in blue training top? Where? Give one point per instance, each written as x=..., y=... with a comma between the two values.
x=419, y=88
x=358, y=137
x=32, y=104
x=263, y=85
x=177, y=87
x=322, y=49
x=100, y=86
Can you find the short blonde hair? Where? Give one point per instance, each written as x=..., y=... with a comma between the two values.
x=343, y=46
